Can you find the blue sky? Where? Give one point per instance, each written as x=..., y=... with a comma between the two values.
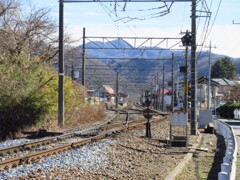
x=95, y=17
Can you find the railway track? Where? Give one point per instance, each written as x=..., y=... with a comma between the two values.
x=31, y=152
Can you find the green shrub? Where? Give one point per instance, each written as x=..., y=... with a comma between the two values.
x=227, y=109
x=29, y=94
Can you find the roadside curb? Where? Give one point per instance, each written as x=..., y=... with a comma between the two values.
x=172, y=175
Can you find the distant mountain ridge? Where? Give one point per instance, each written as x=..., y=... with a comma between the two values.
x=109, y=52
x=103, y=63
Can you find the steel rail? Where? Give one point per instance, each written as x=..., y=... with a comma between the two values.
x=11, y=163
x=30, y=145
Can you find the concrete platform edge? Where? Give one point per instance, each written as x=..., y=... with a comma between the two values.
x=172, y=175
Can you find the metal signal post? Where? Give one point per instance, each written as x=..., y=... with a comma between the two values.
x=147, y=114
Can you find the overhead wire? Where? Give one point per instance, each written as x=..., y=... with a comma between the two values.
x=128, y=18
x=153, y=15
x=219, y=5
x=110, y=12
x=207, y=32
x=206, y=25
x=207, y=21
x=124, y=10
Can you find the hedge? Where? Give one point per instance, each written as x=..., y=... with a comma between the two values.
x=227, y=109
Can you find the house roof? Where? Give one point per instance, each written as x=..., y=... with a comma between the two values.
x=223, y=81
x=160, y=92
x=109, y=89
x=204, y=80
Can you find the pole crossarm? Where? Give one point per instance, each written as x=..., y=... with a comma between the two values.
x=126, y=69
x=134, y=43
x=114, y=67
x=124, y=1
x=129, y=58
x=124, y=74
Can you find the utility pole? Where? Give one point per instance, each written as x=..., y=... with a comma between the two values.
x=159, y=97
x=177, y=88
x=186, y=81
x=116, y=94
x=193, y=72
x=83, y=58
x=209, y=77
x=61, y=68
x=163, y=88
x=157, y=93
x=72, y=72
x=172, y=83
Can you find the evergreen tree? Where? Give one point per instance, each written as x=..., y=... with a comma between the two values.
x=223, y=68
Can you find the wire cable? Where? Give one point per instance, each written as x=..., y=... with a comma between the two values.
x=219, y=5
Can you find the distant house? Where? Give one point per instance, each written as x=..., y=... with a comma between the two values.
x=90, y=92
x=220, y=91
x=223, y=91
x=202, y=92
x=91, y=99
x=156, y=99
x=123, y=98
x=105, y=93
x=167, y=101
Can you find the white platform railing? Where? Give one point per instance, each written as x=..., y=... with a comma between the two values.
x=228, y=167
x=236, y=113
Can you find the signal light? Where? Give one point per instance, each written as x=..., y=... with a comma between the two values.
x=187, y=39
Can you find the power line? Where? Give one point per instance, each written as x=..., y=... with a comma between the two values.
x=219, y=5
x=117, y=10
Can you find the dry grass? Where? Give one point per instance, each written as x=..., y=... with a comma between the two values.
x=82, y=116
x=86, y=114
x=205, y=164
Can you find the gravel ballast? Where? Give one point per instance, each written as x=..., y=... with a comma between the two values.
x=128, y=155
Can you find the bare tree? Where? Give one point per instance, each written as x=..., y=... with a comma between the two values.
x=234, y=93
x=28, y=31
